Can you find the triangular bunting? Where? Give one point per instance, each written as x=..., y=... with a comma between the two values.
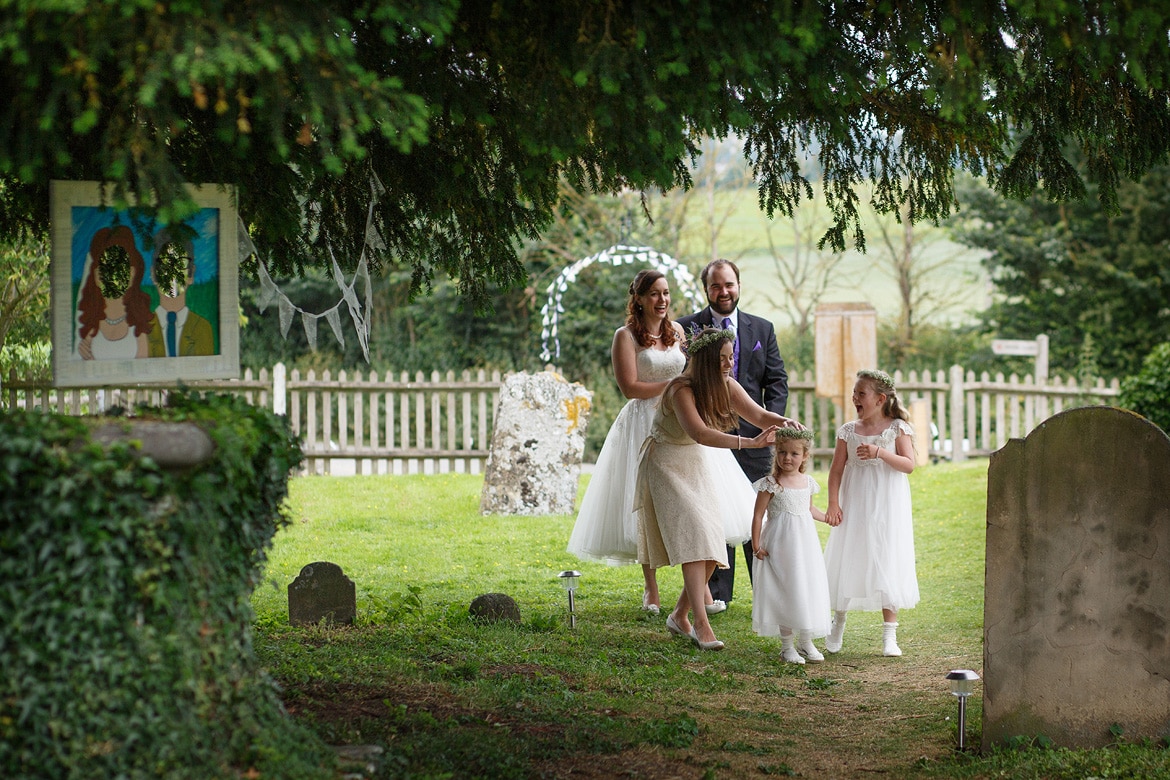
x=335, y=322
x=286, y=314
x=310, y=323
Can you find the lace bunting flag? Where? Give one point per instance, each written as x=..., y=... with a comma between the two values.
x=270, y=293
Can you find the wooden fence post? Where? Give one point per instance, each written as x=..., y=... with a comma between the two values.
x=920, y=420
x=279, y=389
x=958, y=454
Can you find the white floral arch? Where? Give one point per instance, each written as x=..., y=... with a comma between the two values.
x=683, y=280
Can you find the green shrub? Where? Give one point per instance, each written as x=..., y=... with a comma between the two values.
x=125, y=616
x=1148, y=391
x=29, y=362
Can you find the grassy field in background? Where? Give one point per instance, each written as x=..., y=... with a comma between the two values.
x=859, y=278
x=619, y=696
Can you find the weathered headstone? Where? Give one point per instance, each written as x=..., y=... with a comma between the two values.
x=495, y=608
x=1076, y=627
x=537, y=443
x=321, y=592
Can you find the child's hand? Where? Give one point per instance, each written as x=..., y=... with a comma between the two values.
x=868, y=451
x=833, y=516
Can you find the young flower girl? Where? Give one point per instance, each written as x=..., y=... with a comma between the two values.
x=870, y=552
x=790, y=587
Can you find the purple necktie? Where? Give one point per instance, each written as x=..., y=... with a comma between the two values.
x=735, y=349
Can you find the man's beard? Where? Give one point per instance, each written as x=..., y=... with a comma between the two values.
x=716, y=306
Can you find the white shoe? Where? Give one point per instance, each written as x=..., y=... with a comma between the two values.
x=836, y=635
x=647, y=606
x=890, y=640
x=806, y=646
x=715, y=607
x=790, y=655
x=713, y=645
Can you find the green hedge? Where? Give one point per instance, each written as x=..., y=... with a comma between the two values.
x=1148, y=391
x=125, y=616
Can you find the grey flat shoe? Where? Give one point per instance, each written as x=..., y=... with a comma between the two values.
x=716, y=645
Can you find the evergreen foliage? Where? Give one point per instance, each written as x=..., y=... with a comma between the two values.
x=460, y=118
x=1148, y=391
x=125, y=615
x=1084, y=277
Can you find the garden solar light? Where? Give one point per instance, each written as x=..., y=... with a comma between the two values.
x=962, y=682
x=569, y=581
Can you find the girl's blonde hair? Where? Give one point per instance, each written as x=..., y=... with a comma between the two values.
x=804, y=435
x=882, y=383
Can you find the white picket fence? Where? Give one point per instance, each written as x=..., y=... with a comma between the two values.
x=438, y=423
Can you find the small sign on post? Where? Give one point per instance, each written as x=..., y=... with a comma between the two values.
x=1015, y=347
x=1022, y=347
x=1037, y=348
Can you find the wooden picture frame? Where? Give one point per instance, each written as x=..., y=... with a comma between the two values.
x=114, y=322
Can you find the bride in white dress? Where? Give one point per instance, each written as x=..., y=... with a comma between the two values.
x=646, y=355
x=114, y=317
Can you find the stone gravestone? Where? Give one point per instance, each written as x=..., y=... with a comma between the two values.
x=495, y=608
x=537, y=442
x=1076, y=626
x=321, y=592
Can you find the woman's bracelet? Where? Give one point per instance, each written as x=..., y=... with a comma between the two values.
x=738, y=442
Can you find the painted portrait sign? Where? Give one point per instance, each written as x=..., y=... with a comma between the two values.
x=138, y=301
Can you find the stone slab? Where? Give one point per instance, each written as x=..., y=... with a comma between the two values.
x=538, y=440
x=1077, y=591
x=321, y=592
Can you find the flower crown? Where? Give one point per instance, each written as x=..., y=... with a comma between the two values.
x=794, y=433
x=883, y=379
x=707, y=339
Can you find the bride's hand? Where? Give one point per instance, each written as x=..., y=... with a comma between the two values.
x=765, y=438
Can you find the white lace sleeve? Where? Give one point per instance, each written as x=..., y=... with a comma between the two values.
x=766, y=485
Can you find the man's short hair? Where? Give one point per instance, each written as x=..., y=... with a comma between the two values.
x=716, y=264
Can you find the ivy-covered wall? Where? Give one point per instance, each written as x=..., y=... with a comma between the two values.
x=125, y=617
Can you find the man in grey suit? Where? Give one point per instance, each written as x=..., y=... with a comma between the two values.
x=758, y=368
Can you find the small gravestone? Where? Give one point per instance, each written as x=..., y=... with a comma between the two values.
x=538, y=439
x=321, y=592
x=495, y=608
x=1076, y=626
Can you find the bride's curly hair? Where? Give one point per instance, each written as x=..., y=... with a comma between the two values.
x=639, y=287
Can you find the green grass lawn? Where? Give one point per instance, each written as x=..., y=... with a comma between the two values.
x=446, y=697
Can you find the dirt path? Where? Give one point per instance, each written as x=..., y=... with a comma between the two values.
x=853, y=716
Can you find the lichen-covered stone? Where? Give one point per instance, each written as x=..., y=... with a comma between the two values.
x=537, y=442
